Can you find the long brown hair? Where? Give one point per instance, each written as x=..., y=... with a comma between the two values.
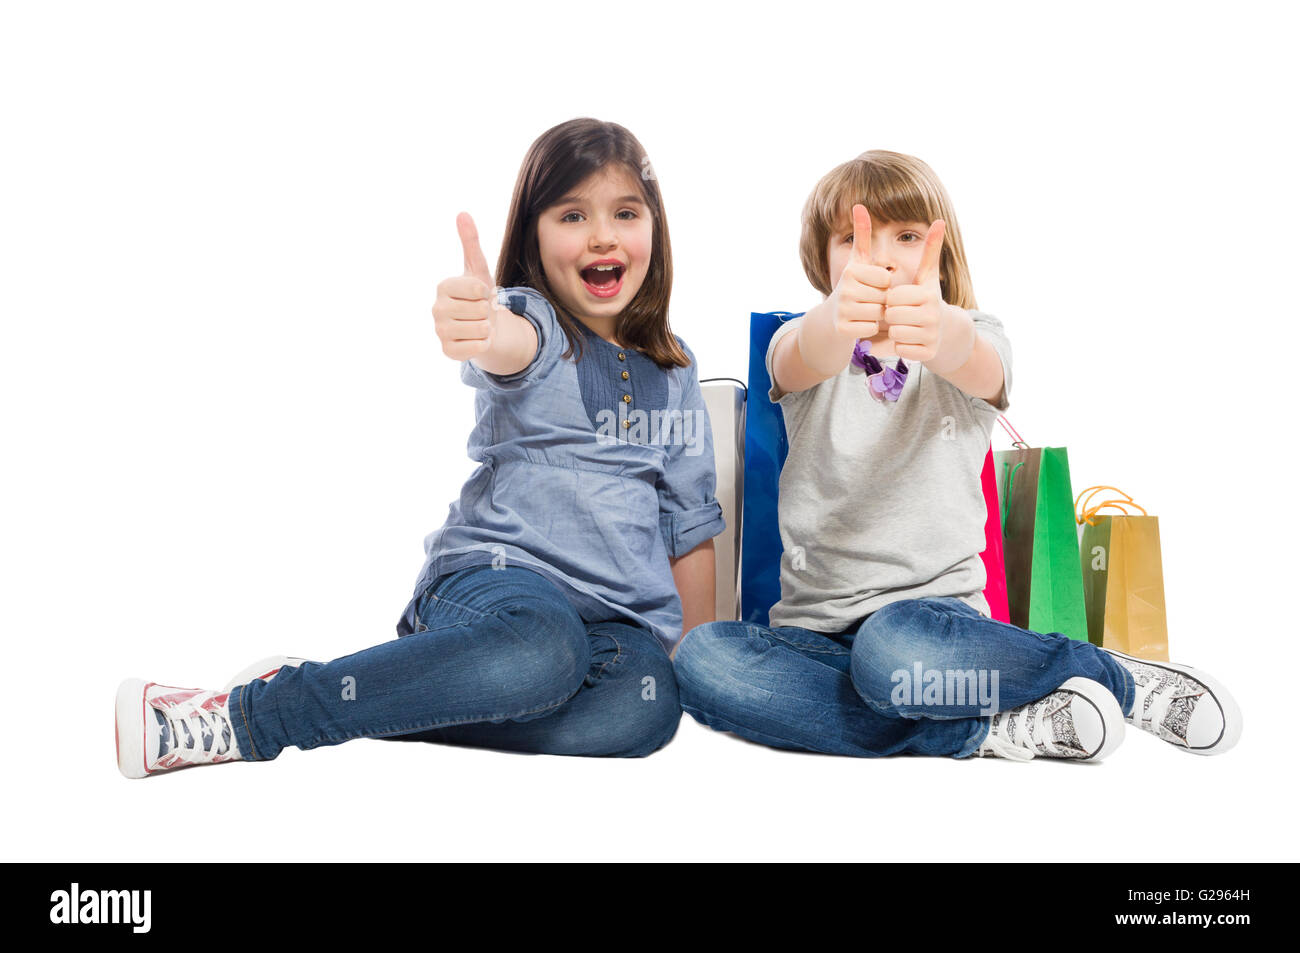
x=561, y=159
x=895, y=188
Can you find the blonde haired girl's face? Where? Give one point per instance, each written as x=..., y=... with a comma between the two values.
x=605, y=222
x=895, y=246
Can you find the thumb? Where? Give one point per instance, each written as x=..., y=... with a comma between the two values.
x=476, y=265
x=861, y=234
x=929, y=269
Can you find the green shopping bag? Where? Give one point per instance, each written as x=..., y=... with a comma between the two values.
x=1040, y=541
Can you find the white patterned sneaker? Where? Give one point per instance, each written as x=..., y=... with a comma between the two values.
x=1080, y=721
x=1182, y=705
x=161, y=727
x=264, y=670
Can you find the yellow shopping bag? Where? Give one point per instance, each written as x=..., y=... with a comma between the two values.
x=1123, y=581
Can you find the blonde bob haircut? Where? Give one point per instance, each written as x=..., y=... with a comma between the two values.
x=894, y=188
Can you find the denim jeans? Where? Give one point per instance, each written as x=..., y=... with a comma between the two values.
x=500, y=659
x=868, y=691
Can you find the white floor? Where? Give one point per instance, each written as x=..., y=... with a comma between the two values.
x=706, y=796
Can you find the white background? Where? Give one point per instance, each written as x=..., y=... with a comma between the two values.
x=228, y=425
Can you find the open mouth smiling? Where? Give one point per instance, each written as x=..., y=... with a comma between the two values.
x=603, y=278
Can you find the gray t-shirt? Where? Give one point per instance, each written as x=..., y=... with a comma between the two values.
x=882, y=501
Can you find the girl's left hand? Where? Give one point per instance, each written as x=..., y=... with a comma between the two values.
x=915, y=313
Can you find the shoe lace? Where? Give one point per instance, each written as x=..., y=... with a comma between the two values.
x=198, y=735
x=1153, y=701
x=1025, y=746
x=1000, y=747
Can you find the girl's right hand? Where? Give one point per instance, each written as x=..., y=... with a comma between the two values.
x=860, y=292
x=464, y=314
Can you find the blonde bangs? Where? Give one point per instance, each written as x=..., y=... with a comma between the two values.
x=894, y=188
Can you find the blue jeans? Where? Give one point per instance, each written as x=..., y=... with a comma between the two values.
x=500, y=659
x=868, y=691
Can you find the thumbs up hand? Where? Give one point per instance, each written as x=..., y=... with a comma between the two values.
x=860, y=293
x=465, y=312
x=920, y=322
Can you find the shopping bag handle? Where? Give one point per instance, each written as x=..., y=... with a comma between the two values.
x=1118, y=504
x=1017, y=441
x=1089, y=509
x=1010, y=481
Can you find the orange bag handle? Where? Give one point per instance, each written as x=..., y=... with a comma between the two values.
x=1089, y=509
x=1093, y=491
x=1117, y=504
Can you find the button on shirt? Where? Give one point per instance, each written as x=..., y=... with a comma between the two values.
x=592, y=473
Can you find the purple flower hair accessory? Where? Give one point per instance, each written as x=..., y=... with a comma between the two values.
x=885, y=383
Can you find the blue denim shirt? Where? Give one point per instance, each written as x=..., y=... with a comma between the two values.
x=592, y=473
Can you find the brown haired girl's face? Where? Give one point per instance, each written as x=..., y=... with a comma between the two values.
x=595, y=246
x=895, y=246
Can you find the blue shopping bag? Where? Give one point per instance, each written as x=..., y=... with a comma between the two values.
x=765, y=450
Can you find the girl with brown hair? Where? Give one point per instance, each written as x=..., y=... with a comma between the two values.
x=552, y=594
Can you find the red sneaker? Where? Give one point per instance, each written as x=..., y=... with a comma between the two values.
x=161, y=727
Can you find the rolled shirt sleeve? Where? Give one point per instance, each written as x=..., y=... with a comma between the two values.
x=774, y=393
x=551, y=342
x=688, y=512
x=991, y=329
